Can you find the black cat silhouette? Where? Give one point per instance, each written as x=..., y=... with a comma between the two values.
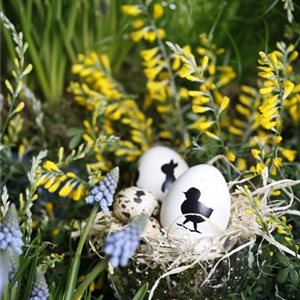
x=138, y=195
x=192, y=206
x=168, y=169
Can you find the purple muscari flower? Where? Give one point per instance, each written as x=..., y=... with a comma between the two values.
x=10, y=233
x=122, y=244
x=40, y=288
x=104, y=192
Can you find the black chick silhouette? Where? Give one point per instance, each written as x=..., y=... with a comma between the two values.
x=192, y=206
x=168, y=169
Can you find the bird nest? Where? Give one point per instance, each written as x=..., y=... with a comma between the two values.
x=195, y=270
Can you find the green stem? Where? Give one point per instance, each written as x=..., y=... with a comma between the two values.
x=184, y=132
x=14, y=98
x=76, y=261
x=100, y=267
x=216, y=114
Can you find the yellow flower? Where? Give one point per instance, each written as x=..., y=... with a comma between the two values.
x=51, y=166
x=212, y=135
x=242, y=164
x=151, y=73
x=266, y=123
x=137, y=24
x=92, y=286
x=243, y=110
x=289, y=154
x=293, y=56
x=67, y=189
x=157, y=90
x=288, y=88
x=165, y=134
x=150, y=36
x=230, y=155
x=255, y=153
x=272, y=56
x=161, y=33
x=55, y=232
x=138, y=35
x=289, y=240
x=297, y=88
x=49, y=207
x=158, y=11
x=267, y=107
x=205, y=62
x=224, y=104
x=149, y=53
x=266, y=75
x=131, y=10
x=198, y=109
x=249, y=211
x=281, y=230
x=276, y=193
x=236, y=131
x=202, y=125
x=278, y=162
x=259, y=168
x=266, y=90
x=248, y=90
x=78, y=193
x=54, y=187
x=278, y=139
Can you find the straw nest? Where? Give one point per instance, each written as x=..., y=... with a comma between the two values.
x=175, y=255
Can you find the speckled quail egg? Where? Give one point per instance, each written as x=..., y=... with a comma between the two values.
x=153, y=229
x=132, y=202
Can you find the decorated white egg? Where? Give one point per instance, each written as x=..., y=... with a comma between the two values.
x=132, y=202
x=198, y=204
x=158, y=168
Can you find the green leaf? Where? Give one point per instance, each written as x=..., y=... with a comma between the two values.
x=74, y=131
x=294, y=277
x=283, y=259
x=141, y=292
x=282, y=275
x=75, y=141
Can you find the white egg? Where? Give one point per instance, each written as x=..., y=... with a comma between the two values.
x=201, y=190
x=132, y=202
x=158, y=168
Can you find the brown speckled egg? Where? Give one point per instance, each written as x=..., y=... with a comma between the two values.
x=153, y=229
x=132, y=202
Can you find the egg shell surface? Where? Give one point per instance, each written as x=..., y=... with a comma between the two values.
x=158, y=168
x=153, y=229
x=132, y=202
x=200, y=190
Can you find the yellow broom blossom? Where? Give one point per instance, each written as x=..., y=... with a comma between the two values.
x=131, y=10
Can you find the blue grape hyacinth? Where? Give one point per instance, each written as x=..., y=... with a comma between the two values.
x=40, y=289
x=104, y=192
x=10, y=233
x=121, y=245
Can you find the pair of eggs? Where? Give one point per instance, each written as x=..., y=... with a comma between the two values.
x=195, y=201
